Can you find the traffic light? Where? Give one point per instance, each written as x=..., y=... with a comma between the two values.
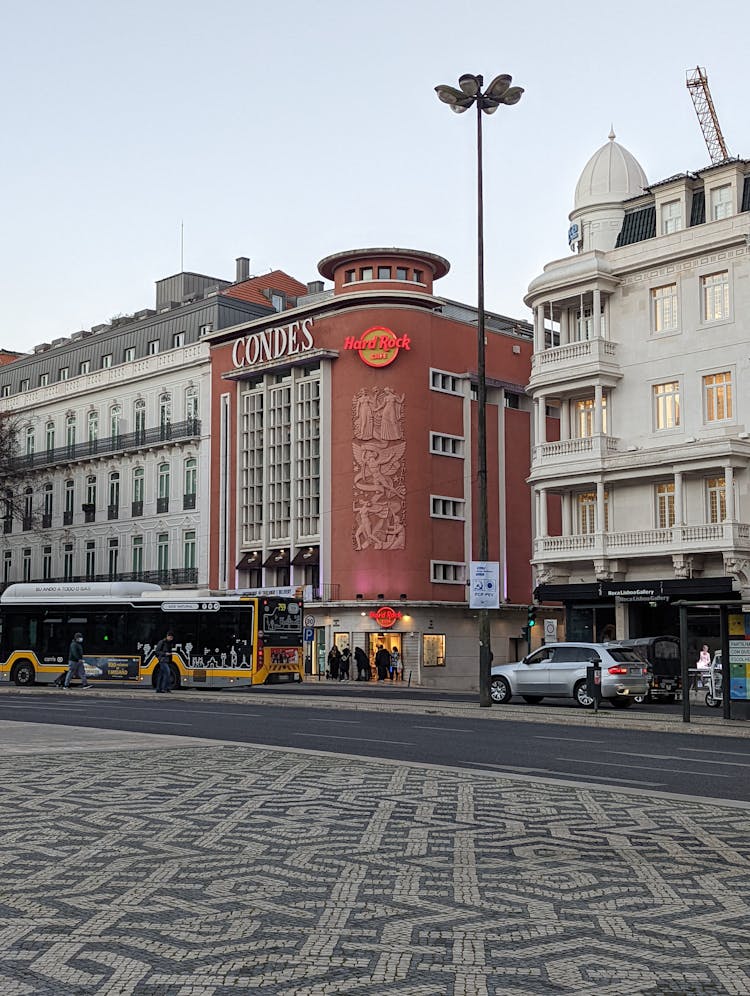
x=531, y=617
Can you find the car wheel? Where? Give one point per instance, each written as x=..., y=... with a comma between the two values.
x=622, y=703
x=174, y=677
x=711, y=701
x=640, y=699
x=532, y=699
x=23, y=673
x=581, y=695
x=500, y=691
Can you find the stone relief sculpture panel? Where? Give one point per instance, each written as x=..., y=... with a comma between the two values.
x=378, y=452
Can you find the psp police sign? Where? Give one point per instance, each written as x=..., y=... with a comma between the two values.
x=484, y=585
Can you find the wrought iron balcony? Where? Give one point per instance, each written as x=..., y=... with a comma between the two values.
x=68, y=517
x=162, y=505
x=167, y=578
x=123, y=442
x=113, y=511
x=136, y=509
x=188, y=501
x=47, y=521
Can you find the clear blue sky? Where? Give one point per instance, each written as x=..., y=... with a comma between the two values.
x=290, y=130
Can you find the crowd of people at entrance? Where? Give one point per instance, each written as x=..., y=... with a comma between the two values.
x=388, y=665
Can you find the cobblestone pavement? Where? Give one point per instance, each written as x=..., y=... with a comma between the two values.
x=146, y=865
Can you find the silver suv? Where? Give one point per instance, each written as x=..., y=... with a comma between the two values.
x=558, y=670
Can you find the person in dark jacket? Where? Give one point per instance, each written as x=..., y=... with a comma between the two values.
x=363, y=664
x=383, y=663
x=76, y=666
x=163, y=651
x=346, y=658
x=334, y=662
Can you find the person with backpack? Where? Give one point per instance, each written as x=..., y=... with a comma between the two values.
x=76, y=665
x=363, y=664
x=163, y=651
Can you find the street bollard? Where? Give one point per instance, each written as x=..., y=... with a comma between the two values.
x=594, y=683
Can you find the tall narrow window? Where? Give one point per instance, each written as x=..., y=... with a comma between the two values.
x=113, y=553
x=667, y=405
x=139, y=420
x=716, y=491
x=26, y=560
x=165, y=415
x=7, y=566
x=137, y=561
x=162, y=503
x=715, y=294
x=49, y=435
x=115, y=416
x=113, y=510
x=46, y=563
x=191, y=482
x=191, y=404
x=30, y=440
x=69, y=502
x=138, y=491
x=664, y=308
x=587, y=512
x=68, y=561
x=93, y=422
x=162, y=552
x=584, y=417
x=189, y=549
x=90, y=560
x=28, y=508
x=717, y=392
x=47, y=513
x=665, y=505
x=70, y=432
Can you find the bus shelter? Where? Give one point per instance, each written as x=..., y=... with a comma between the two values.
x=734, y=620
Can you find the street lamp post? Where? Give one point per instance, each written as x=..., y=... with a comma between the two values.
x=498, y=92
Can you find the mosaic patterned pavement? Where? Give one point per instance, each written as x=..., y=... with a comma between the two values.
x=205, y=870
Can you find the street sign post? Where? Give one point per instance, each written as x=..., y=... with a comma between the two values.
x=484, y=585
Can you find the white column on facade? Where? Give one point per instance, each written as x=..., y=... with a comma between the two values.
x=542, y=516
x=679, y=519
x=600, y=507
x=541, y=419
x=539, y=328
x=598, y=414
x=565, y=509
x=729, y=494
x=597, y=313
x=565, y=419
x=564, y=327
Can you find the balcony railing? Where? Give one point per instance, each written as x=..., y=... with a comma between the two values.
x=68, y=517
x=584, y=447
x=574, y=354
x=162, y=505
x=113, y=511
x=701, y=538
x=136, y=509
x=26, y=523
x=89, y=512
x=188, y=501
x=7, y=525
x=47, y=521
x=167, y=579
x=140, y=439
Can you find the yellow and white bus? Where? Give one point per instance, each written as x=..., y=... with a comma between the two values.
x=229, y=640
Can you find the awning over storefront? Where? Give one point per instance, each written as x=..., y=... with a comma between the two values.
x=277, y=558
x=308, y=556
x=249, y=561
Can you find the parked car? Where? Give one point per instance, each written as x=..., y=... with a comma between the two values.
x=558, y=670
x=662, y=653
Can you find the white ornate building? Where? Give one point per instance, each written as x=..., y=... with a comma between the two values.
x=640, y=465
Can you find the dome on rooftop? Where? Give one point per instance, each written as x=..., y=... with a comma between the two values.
x=612, y=174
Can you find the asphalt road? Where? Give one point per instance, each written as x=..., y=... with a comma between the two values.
x=703, y=766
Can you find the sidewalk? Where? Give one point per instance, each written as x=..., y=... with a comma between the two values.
x=144, y=865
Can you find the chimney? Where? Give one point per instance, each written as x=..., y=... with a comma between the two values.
x=242, y=268
x=315, y=287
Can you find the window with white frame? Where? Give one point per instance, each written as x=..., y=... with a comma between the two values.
x=191, y=476
x=26, y=561
x=5, y=393
x=84, y=367
x=70, y=431
x=165, y=411
x=139, y=419
x=716, y=495
x=162, y=552
x=445, y=445
x=93, y=425
x=665, y=505
x=43, y=379
x=447, y=572
x=70, y=494
x=114, y=490
x=106, y=361
x=191, y=403
x=138, y=484
x=48, y=499
x=178, y=339
x=717, y=396
x=433, y=649
x=715, y=296
x=115, y=416
x=137, y=555
x=447, y=508
x=721, y=202
x=279, y=460
x=68, y=561
x=91, y=491
x=252, y=465
x=584, y=421
x=188, y=549
x=90, y=559
x=307, y=470
x=671, y=217
x=163, y=480
x=586, y=512
x=583, y=327
x=153, y=347
x=664, y=308
x=64, y=373
x=49, y=435
x=128, y=354
x=113, y=556
x=46, y=563
x=447, y=383
x=30, y=440
x=24, y=385
x=7, y=566
x=666, y=405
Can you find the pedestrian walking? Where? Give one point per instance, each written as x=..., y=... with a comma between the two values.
x=334, y=661
x=346, y=658
x=76, y=664
x=163, y=673
x=363, y=664
x=382, y=663
x=397, y=664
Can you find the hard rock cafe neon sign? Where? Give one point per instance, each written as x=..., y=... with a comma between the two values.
x=385, y=616
x=378, y=346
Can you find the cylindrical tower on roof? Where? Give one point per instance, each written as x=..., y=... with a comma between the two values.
x=609, y=178
x=383, y=269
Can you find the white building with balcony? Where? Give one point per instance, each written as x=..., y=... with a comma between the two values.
x=639, y=470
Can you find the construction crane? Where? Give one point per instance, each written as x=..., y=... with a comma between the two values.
x=697, y=84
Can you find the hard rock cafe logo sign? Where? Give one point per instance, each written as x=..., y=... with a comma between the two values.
x=378, y=346
x=385, y=616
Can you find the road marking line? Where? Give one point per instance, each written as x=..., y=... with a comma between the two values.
x=359, y=740
x=512, y=769
x=571, y=740
x=646, y=767
x=676, y=757
x=708, y=750
x=347, y=722
x=118, y=719
x=444, y=729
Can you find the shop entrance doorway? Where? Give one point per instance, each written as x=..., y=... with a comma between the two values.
x=392, y=643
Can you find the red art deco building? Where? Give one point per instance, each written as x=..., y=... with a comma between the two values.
x=343, y=433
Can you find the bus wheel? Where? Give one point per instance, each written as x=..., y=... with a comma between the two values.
x=174, y=677
x=23, y=673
